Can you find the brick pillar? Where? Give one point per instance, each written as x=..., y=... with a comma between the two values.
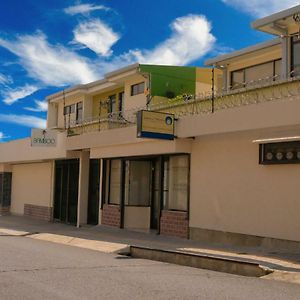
x=174, y=223
x=5, y=192
x=111, y=215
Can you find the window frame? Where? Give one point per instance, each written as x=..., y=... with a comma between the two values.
x=293, y=55
x=109, y=182
x=244, y=84
x=284, y=148
x=139, y=91
x=79, y=107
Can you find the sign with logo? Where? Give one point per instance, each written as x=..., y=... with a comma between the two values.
x=43, y=138
x=156, y=125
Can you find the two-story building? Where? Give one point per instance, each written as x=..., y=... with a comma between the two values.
x=98, y=170
x=229, y=175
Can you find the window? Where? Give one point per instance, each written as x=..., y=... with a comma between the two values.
x=255, y=74
x=121, y=102
x=277, y=69
x=266, y=72
x=279, y=153
x=138, y=183
x=237, y=79
x=115, y=182
x=137, y=89
x=176, y=186
x=79, y=109
x=69, y=109
x=111, y=104
x=296, y=55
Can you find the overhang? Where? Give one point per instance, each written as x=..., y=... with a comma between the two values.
x=279, y=23
x=236, y=54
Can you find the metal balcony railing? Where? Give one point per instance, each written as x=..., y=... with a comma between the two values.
x=254, y=93
x=110, y=121
x=264, y=90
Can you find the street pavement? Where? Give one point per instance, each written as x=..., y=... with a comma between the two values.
x=36, y=269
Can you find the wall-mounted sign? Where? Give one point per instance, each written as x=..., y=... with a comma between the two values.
x=156, y=125
x=43, y=138
x=279, y=153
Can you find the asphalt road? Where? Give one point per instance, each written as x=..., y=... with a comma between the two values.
x=32, y=269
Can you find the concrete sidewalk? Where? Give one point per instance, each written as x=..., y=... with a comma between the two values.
x=112, y=240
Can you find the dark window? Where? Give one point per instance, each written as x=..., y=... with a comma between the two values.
x=79, y=109
x=112, y=104
x=69, y=109
x=66, y=110
x=137, y=88
x=279, y=153
x=296, y=56
x=121, y=102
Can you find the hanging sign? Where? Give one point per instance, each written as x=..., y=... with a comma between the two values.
x=43, y=138
x=156, y=125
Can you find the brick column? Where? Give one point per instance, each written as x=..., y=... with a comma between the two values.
x=174, y=223
x=5, y=192
x=111, y=215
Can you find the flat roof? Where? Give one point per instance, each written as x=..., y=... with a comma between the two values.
x=243, y=51
x=275, y=23
x=84, y=87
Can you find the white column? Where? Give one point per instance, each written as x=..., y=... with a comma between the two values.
x=100, y=191
x=83, y=188
x=286, y=58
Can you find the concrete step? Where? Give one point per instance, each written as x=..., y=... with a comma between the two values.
x=202, y=261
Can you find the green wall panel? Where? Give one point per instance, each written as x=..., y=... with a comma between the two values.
x=170, y=81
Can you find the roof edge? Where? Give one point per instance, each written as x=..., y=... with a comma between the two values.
x=243, y=51
x=274, y=17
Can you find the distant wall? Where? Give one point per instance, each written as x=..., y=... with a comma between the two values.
x=31, y=184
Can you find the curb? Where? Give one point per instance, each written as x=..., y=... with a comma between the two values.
x=208, y=262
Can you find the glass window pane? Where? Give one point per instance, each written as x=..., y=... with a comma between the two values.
x=137, y=88
x=72, y=108
x=79, y=112
x=115, y=182
x=296, y=58
x=178, y=182
x=140, y=183
x=277, y=72
x=260, y=73
x=237, y=79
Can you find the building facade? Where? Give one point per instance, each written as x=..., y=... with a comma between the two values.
x=229, y=175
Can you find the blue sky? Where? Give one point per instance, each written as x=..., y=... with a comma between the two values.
x=47, y=45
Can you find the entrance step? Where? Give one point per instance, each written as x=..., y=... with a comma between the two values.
x=202, y=261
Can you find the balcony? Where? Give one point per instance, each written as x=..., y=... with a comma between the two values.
x=263, y=91
x=93, y=124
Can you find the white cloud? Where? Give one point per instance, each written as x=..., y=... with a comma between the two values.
x=84, y=9
x=3, y=136
x=190, y=40
x=97, y=36
x=261, y=8
x=40, y=106
x=51, y=64
x=5, y=79
x=13, y=95
x=23, y=120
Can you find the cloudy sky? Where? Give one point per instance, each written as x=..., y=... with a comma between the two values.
x=48, y=45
